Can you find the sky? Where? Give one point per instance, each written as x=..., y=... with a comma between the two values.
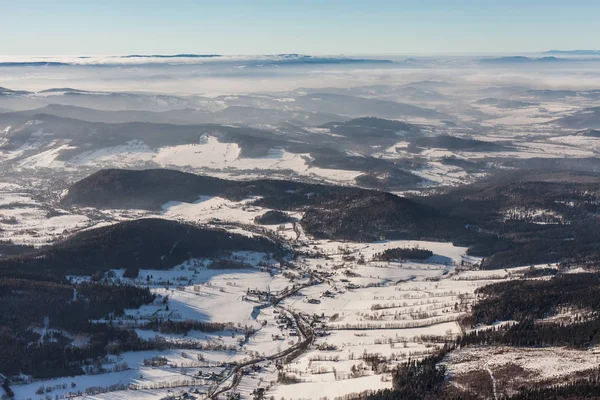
x=116, y=27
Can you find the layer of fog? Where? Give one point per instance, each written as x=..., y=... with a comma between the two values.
x=241, y=76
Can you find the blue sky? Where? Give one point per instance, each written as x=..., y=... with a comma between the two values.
x=58, y=27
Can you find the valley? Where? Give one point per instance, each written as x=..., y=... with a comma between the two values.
x=409, y=228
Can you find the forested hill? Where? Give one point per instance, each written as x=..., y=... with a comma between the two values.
x=516, y=218
x=376, y=216
x=151, y=188
x=331, y=211
x=145, y=243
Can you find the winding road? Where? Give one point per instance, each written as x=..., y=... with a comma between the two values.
x=304, y=329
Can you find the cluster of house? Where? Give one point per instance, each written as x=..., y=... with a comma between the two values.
x=260, y=296
x=284, y=323
x=181, y=395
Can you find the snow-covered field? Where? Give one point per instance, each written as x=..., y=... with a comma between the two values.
x=335, y=302
x=360, y=308
x=24, y=220
x=208, y=155
x=313, y=326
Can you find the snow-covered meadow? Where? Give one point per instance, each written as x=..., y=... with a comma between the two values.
x=360, y=308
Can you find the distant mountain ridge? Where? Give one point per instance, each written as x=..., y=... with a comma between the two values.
x=184, y=116
x=187, y=55
x=575, y=52
x=521, y=59
x=189, y=59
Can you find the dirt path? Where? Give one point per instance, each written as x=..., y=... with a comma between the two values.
x=494, y=389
